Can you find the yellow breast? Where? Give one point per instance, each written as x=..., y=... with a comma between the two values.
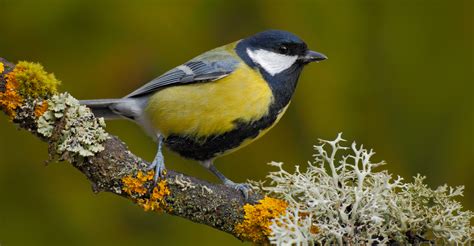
x=210, y=108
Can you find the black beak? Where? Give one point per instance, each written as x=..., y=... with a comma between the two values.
x=313, y=56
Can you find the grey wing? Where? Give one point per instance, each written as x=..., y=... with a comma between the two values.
x=210, y=66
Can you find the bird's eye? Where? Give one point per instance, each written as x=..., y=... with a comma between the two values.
x=283, y=49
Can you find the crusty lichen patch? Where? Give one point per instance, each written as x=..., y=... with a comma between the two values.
x=81, y=135
x=257, y=219
x=2, y=68
x=41, y=108
x=10, y=100
x=156, y=202
x=136, y=187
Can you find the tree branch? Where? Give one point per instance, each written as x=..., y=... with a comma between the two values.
x=114, y=168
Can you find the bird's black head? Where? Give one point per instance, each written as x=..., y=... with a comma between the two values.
x=276, y=51
x=280, y=57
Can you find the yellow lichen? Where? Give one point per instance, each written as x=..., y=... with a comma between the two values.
x=33, y=81
x=2, y=68
x=257, y=219
x=10, y=99
x=41, y=108
x=135, y=187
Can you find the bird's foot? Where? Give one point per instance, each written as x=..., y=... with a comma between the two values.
x=158, y=165
x=242, y=187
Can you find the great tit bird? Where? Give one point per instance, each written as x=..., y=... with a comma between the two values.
x=217, y=102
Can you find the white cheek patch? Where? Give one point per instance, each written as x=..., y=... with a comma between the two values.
x=272, y=62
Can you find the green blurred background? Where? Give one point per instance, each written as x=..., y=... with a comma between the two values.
x=399, y=79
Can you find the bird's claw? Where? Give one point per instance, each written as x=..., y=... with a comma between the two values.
x=242, y=187
x=158, y=165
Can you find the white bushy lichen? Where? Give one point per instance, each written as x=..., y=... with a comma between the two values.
x=82, y=134
x=340, y=199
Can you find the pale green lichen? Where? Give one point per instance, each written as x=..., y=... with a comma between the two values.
x=347, y=202
x=81, y=135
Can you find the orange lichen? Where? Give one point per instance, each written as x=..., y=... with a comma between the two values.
x=2, y=68
x=156, y=202
x=160, y=191
x=41, y=108
x=10, y=100
x=135, y=187
x=257, y=219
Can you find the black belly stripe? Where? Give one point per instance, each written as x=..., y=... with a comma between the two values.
x=203, y=149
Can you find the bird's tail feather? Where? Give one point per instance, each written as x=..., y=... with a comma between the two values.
x=102, y=107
